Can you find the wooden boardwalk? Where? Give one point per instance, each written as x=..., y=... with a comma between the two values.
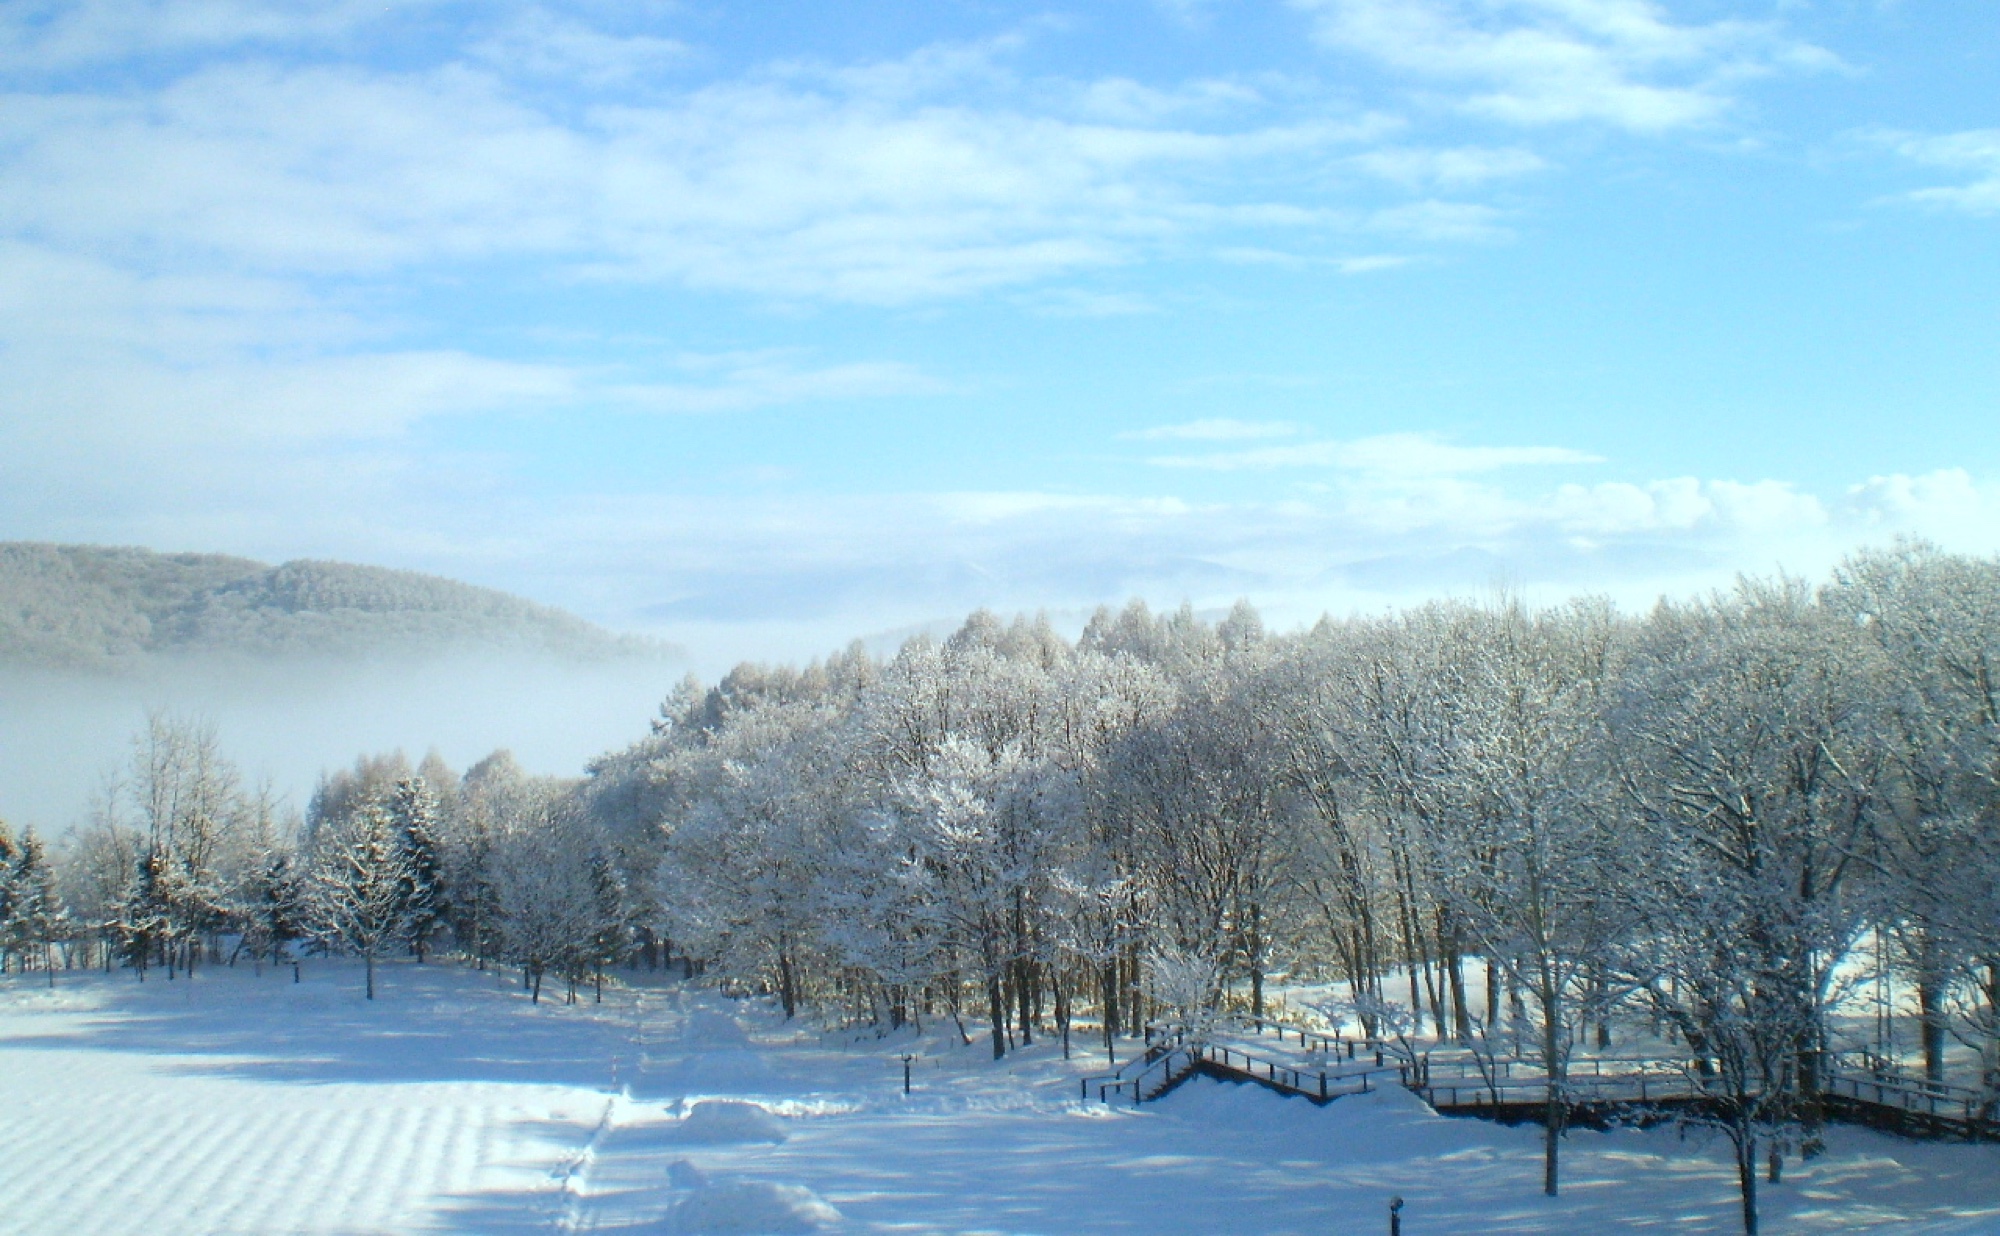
x=1325, y=1067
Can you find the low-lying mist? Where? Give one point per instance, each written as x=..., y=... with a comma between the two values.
x=284, y=722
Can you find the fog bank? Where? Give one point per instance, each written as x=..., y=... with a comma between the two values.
x=62, y=734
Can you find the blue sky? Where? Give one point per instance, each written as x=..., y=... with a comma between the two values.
x=765, y=325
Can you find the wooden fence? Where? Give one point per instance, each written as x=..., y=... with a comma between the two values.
x=1513, y=1087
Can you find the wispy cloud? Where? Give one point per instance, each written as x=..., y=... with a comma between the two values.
x=745, y=381
x=1084, y=303
x=877, y=184
x=1974, y=152
x=1452, y=168
x=1402, y=454
x=1216, y=429
x=1251, y=255
x=537, y=43
x=44, y=35
x=1440, y=221
x=1534, y=62
x=100, y=357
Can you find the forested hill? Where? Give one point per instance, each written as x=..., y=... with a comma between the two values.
x=90, y=606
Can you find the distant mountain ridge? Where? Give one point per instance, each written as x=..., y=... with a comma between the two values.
x=100, y=607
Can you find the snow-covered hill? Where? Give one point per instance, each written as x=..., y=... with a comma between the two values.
x=88, y=606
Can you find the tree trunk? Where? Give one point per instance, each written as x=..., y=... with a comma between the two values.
x=997, y=1011
x=1460, y=1015
x=1552, y=1123
x=1930, y=1011
x=1135, y=1020
x=1746, y=1173
x=1812, y=1107
x=1110, y=995
x=1991, y=1054
x=1061, y=994
x=369, y=961
x=1024, y=1000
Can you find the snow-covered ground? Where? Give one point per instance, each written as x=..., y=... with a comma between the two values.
x=239, y=1103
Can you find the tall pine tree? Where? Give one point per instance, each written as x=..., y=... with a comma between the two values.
x=414, y=804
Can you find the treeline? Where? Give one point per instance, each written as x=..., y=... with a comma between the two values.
x=1695, y=816
x=181, y=864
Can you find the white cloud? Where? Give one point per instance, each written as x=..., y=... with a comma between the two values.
x=1456, y=167
x=835, y=185
x=1251, y=255
x=1120, y=100
x=1082, y=303
x=1681, y=504
x=1975, y=152
x=772, y=379
x=1398, y=455
x=42, y=35
x=1215, y=429
x=537, y=43
x=775, y=572
x=794, y=576
x=1947, y=506
x=1372, y=262
x=102, y=358
x=1533, y=62
x=1441, y=221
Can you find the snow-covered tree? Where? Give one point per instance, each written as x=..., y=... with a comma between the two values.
x=191, y=810
x=32, y=918
x=359, y=884
x=546, y=901
x=1935, y=620
x=1752, y=778
x=419, y=818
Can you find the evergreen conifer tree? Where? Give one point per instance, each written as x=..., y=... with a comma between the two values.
x=415, y=807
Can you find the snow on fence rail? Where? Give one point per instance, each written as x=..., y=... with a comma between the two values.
x=1957, y=1107
x=1170, y=1059
x=1492, y=1084
x=1334, y=1044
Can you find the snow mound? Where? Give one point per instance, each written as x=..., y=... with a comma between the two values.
x=752, y=1206
x=728, y=1120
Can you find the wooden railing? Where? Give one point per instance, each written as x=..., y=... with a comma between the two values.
x=1335, y=1044
x=1170, y=1059
x=1494, y=1085
x=1447, y=1084
x=1955, y=1107
x=1321, y=1085
x=1160, y=1047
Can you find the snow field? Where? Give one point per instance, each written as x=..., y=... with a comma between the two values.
x=241, y=1104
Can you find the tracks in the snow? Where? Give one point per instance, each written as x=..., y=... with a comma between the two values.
x=573, y=1176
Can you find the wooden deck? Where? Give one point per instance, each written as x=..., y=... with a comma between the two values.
x=1596, y=1091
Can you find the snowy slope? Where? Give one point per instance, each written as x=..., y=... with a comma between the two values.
x=245, y=1104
